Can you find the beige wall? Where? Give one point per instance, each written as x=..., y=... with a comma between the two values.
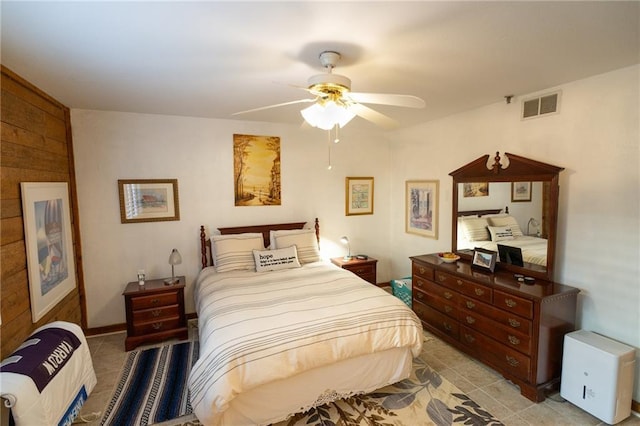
x=198, y=152
x=595, y=137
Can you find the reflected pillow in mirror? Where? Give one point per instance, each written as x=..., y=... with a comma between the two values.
x=509, y=221
x=475, y=229
x=500, y=233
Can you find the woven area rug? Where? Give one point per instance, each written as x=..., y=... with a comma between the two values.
x=425, y=398
x=153, y=386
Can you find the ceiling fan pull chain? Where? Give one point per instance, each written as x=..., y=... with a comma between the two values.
x=337, y=138
x=329, y=167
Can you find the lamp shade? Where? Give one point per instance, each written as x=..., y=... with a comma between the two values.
x=327, y=116
x=345, y=241
x=175, y=258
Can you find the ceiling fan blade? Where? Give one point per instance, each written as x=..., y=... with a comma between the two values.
x=408, y=101
x=299, y=101
x=374, y=116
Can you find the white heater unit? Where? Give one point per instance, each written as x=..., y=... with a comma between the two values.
x=597, y=375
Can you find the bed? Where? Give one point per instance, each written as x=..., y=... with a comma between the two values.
x=488, y=228
x=282, y=331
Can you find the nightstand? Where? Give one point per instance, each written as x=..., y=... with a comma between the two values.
x=155, y=312
x=365, y=269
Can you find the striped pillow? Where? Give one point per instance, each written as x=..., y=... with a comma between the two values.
x=508, y=221
x=475, y=229
x=235, y=252
x=304, y=240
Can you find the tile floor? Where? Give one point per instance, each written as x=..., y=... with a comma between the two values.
x=482, y=384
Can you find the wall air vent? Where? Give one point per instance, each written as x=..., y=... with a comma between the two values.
x=542, y=105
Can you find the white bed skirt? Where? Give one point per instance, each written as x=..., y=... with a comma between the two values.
x=279, y=400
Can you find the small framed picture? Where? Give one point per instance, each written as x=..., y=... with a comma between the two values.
x=359, y=196
x=520, y=191
x=484, y=259
x=148, y=200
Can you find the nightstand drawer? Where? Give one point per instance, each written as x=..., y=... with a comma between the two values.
x=156, y=326
x=369, y=268
x=154, y=300
x=155, y=313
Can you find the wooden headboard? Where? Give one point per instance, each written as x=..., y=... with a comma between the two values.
x=205, y=243
x=479, y=213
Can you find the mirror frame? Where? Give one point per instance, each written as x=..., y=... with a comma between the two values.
x=515, y=169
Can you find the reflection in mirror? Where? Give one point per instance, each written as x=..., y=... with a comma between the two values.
x=516, y=224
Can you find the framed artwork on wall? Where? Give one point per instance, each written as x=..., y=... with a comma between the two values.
x=50, y=259
x=359, y=196
x=256, y=170
x=421, y=208
x=148, y=200
x=520, y=191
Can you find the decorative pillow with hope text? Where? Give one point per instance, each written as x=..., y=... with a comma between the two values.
x=274, y=260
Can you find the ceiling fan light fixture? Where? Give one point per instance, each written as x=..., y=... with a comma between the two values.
x=328, y=115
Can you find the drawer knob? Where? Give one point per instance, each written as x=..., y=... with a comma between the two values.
x=447, y=326
x=419, y=283
x=448, y=309
x=512, y=361
x=156, y=313
x=469, y=338
x=513, y=340
x=448, y=295
x=459, y=282
x=422, y=270
x=470, y=304
x=510, y=303
x=155, y=301
x=156, y=325
x=479, y=291
x=514, y=322
x=419, y=295
x=470, y=320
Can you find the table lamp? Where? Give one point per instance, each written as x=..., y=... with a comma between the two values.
x=174, y=259
x=345, y=240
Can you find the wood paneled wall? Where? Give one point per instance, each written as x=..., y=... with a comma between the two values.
x=36, y=146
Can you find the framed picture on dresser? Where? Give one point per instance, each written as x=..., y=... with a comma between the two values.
x=484, y=259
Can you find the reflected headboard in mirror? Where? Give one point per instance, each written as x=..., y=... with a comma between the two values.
x=511, y=200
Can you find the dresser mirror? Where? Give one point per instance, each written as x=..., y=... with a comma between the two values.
x=507, y=204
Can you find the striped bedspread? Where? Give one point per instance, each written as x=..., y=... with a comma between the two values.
x=256, y=328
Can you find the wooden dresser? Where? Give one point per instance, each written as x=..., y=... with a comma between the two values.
x=155, y=311
x=515, y=328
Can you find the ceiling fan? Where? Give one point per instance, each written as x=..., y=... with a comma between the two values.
x=334, y=104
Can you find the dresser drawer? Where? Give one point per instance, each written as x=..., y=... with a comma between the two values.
x=505, y=358
x=436, y=319
x=475, y=290
x=154, y=300
x=497, y=332
x=429, y=287
x=445, y=306
x=507, y=319
x=421, y=271
x=515, y=304
x=155, y=314
x=149, y=327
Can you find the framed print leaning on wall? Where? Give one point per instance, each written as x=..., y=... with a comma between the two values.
x=421, y=208
x=50, y=259
x=148, y=200
x=359, y=196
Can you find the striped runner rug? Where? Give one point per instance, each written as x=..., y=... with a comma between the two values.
x=153, y=386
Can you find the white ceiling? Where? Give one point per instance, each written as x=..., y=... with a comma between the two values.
x=211, y=59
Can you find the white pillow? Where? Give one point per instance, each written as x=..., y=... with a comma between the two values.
x=274, y=260
x=509, y=221
x=500, y=233
x=475, y=229
x=235, y=251
x=304, y=240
